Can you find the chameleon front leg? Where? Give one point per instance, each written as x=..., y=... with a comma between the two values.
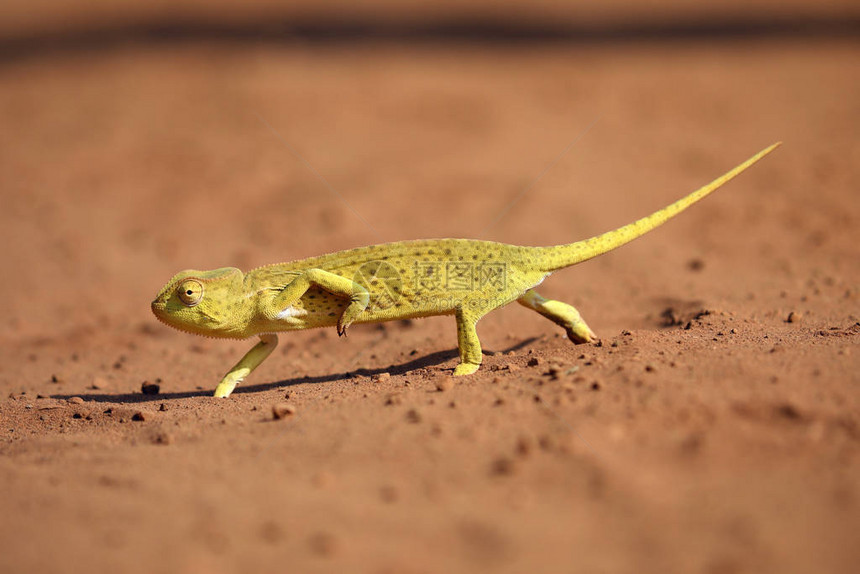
x=248, y=363
x=357, y=294
x=561, y=314
x=468, y=343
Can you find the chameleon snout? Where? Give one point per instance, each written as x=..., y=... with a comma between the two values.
x=157, y=307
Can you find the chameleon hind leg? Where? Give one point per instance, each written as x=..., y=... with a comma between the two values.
x=358, y=295
x=468, y=343
x=562, y=314
x=248, y=363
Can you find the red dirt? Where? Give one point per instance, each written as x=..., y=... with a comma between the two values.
x=706, y=434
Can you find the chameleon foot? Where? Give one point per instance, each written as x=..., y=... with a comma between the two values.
x=358, y=303
x=465, y=369
x=562, y=314
x=248, y=363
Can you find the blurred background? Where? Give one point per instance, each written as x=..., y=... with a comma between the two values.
x=40, y=17
x=176, y=134
x=140, y=138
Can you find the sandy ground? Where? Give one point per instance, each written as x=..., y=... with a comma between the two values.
x=714, y=430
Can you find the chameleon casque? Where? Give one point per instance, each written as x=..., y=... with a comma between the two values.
x=461, y=277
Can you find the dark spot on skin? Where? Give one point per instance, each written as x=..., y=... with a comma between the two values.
x=475, y=257
x=448, y=251
x=430, y=252
x=331, y=314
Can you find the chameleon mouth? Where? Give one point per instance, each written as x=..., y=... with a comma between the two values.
x=159, y=309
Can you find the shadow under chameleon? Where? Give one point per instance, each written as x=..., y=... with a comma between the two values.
x=430, y=360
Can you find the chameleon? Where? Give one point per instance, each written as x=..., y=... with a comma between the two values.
x=465, y=278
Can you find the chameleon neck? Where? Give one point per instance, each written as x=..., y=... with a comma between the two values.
x=559, y=256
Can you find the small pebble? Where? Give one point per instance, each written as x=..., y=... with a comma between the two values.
x=413, y=416
x=148, y=388
x=323, y=479
x=393, y=399
x=793, y=317
x=379, y=377
x=162, y=438
x=788, y=411
x=139, y=416
x=445, y=384
x=323, y=544
x=282, y=410
x=502, y=467
x=76, y=401
x=524, y=446
x=534, y=362
x=389, y=494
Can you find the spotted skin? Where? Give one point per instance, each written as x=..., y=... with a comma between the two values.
x=407, y=279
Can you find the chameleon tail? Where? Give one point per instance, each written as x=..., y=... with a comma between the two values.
x=559, y=256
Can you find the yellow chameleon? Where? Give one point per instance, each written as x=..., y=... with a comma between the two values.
x=461, y=277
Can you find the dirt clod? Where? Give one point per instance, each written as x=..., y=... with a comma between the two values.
x=323, y=543
x=162, y=437
x=445, y=384
x=283, y=410
x=148, y=388
x=393, y=399
x=502, y=467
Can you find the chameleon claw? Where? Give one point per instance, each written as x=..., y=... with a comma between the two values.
x=580, y=333
x=342, y=326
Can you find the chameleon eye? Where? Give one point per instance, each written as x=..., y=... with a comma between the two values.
x=190, y=292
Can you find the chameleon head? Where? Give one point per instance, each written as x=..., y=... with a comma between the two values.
x=210, y=303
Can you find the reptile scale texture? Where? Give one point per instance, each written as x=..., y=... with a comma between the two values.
x=407, y=279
